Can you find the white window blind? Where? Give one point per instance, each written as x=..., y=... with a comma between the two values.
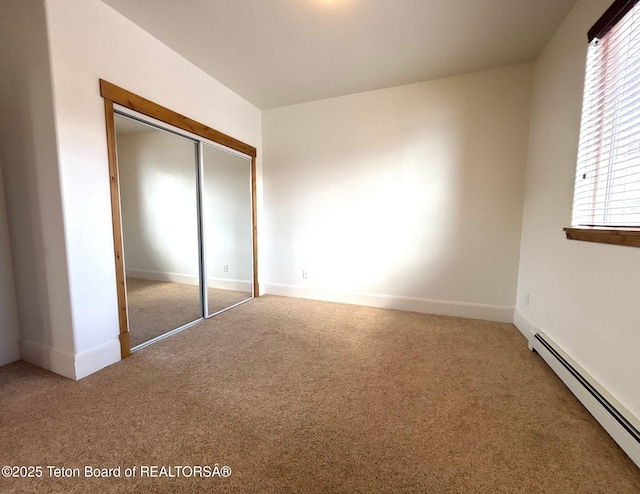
x=607, y=190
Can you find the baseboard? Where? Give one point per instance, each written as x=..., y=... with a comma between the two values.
x=72, y=366
x=526, y=327
x=225, y=284
x=186, y=279
x=145, y=274
x=9, y=352
x=621, y=425
x=97, y=358
x=48, y=358
x=459, y=309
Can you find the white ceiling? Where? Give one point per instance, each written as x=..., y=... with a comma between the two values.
x=280, y=52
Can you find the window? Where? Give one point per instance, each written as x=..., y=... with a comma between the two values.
x=606, y=205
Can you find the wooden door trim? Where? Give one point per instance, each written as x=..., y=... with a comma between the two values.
x=115, y=94
x=125, y=347
x=142, y=105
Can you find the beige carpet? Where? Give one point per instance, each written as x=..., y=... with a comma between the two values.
x=156, y=307
x=314, y=397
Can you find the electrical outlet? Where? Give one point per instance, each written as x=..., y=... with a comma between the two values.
x=305, y=274
x=526, y=299
x=225, y=268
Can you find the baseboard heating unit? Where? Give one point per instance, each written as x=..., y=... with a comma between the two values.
x=621, y=425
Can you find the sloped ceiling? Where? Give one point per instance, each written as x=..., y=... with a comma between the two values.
x=280, y=52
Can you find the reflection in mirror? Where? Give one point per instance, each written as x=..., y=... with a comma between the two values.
x=227, y=227
x=158, y=193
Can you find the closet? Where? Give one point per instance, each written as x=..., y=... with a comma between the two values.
x=183, y=201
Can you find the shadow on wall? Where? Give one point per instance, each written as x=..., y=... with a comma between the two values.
x=32, y=185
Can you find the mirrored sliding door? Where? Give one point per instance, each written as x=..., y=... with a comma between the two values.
x=183, y=202
x=160, y=228
x=227, y=216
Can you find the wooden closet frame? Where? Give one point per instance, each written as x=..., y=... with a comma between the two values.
x=114, y=94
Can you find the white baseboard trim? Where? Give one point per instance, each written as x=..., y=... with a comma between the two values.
x=72, y=366
x=97, y=358
x=145, y=274
x=9, y=352
x=235, y=285
x=459, y=309
x=621, y=425
x=48, y=358
x=220, y=283
x=526, y=327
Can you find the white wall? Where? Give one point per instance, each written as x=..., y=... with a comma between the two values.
x=409, y=197
x=32, y=187
x=9, y=350
x=585, y=296
x=57, y=171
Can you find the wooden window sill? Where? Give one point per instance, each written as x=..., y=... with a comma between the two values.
x=616, y=236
